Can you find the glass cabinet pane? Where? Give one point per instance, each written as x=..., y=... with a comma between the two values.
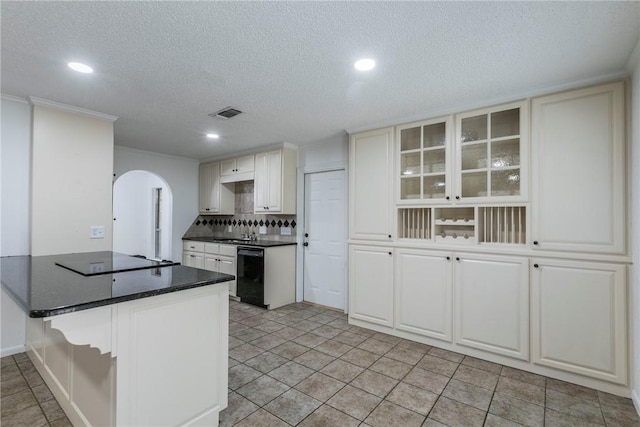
x=474, y=128
x=410, y=188
x=474, y=184
x=434, y=161
x=433, y=187
x=505, y=182
x=410, y=164
x=434, y=135
x=474, y=156
x=505, y=153
x=505, y=123
x=410, y=139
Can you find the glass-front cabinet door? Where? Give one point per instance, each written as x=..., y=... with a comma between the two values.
x=424, y=156
x=491, y=153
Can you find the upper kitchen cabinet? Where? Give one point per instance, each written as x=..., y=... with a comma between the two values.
x=491, y=154
x=237, y=169
x=486, y=162
x=370, y=185
x=424, y=161
x=215, y=198
x=275, y=182
x=578, y=145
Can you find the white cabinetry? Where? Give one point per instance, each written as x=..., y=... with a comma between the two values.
x=275, y=182
x=425, y=161
x=193, y=259
x=491, y=154
x=371, y=284
x=423, y=293
x=490, y=151
x=579, y=317
x=212, y=257
x=370, y=184
x=237, y=169
x=492, y=303
x=221, y=258
x=493, y=258
x=579, y=170
x=215, y=198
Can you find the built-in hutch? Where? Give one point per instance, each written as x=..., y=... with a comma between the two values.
x=274, y=175
x=499, y=233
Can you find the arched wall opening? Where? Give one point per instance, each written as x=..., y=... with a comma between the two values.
x=142, y=212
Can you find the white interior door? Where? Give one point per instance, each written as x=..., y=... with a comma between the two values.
x=325, y=238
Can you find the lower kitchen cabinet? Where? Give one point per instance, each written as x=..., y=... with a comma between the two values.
x=371, y=284
x=193, y=259
x=579, y=317
x=212, y=257
x=492, y=303
x=423, y=291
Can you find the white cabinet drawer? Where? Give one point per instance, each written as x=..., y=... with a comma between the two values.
x=190, y=245
x=211, y=248
x=228, y=250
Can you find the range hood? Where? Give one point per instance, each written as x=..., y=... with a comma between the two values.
x=237, y=177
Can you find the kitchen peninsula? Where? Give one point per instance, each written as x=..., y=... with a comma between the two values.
x=122, y=340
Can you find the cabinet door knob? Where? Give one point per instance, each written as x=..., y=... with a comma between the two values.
x=448, y=198
x=457, y=197
x=535, y=242
x=536, y=265
x=389, y=235
x=448, y=258
x=206, y=209
x=457, y=258
x=390, y=253
x=306, y=234
x=305, y=244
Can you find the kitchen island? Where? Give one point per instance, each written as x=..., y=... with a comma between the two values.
x=125, y=341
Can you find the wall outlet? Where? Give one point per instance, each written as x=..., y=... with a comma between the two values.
x=285, y=231
x=263, y=229
x=96, y=232
x=230, y=228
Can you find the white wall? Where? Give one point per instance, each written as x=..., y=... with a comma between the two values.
x=634, y=293
x=15, y=178
x=133, y=210
x=71, y=181
x=181, y=174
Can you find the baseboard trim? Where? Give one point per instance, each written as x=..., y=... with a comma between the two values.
x=13, y=350
x=635, y=397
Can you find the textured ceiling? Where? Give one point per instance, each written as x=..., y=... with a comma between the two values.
x=163, y=66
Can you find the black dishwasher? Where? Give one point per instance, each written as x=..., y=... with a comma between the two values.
x=250, y=277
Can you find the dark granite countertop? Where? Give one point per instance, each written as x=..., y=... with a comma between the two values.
x=45, y=289
x=234, y=241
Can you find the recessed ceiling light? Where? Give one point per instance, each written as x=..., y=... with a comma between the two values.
x=81, y=68
x=364, y=64
x=213, y=135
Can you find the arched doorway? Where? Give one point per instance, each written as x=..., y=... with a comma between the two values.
x=142, y=212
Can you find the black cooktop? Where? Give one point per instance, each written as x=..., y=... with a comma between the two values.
x=96, y=263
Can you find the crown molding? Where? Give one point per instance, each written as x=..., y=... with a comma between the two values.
x=71, y=109
x=14, y=98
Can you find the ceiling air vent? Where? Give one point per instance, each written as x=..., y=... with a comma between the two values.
x=226, y=113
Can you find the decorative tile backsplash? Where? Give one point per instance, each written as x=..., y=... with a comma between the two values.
x=218, y=226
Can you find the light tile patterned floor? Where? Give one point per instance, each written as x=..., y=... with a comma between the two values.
x=305, y=365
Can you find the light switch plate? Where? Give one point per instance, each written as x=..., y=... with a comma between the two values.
x=285, y=231
x=96, y=232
